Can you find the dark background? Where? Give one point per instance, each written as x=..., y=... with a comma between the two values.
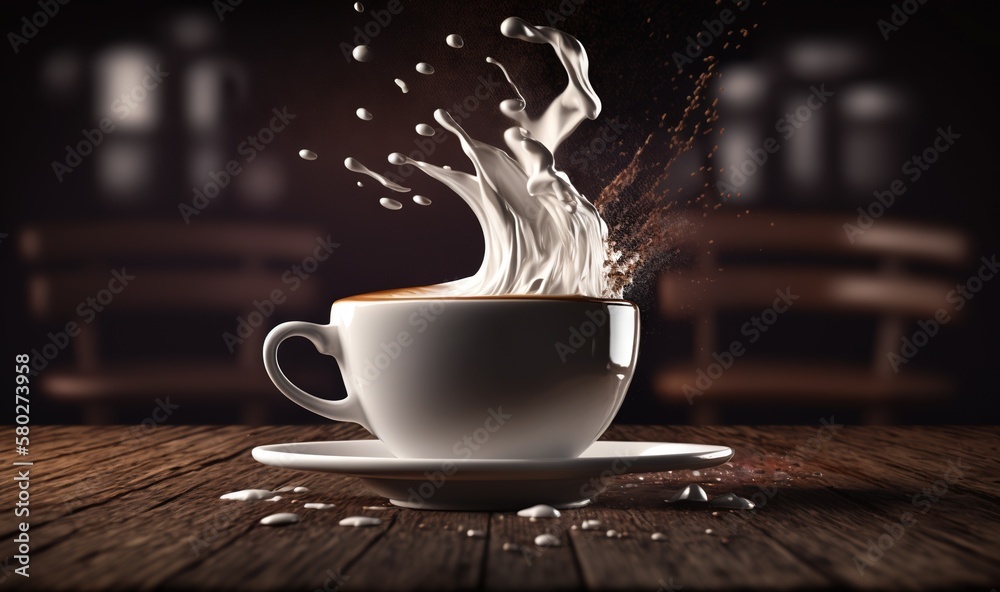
x=943, y=59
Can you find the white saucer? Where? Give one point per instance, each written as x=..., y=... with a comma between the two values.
x=489, y=484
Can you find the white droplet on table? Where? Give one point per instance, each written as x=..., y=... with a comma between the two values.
x=424, y=130
x=360, y=521
x=377, y=508
x=318, y=506
x=690, y=493
x=307, y=154
x=363, y=53
x=539, y=511
x=300, y=489
x=454, y=40
x=425, y=68
x=276, y=498
x=402, y=85
x=591, y=525
x=421, y=200
x=696, y=473
x=359, y=7
x=247, y=495
x=547, y=540
x=709, y=531
x=613, y=534
x=474, y=533
x=658, y=536
x=731, y=501
x=280, y=519
x=364, y=114
x=390, y=204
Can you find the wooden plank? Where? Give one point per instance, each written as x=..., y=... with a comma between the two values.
x=155, y=520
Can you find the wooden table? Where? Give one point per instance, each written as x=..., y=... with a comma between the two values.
x=112, y=510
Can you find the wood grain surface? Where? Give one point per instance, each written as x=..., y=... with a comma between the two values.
x=837, y=507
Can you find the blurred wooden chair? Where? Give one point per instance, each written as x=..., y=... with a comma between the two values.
x=205, y=268
x=891, y=296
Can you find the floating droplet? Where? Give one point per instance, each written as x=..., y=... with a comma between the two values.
x=425, y=130
x=396, y=158
x=363, y=53
x=509, y=547
x=360, y=521
x=709, y=531
x=360, y=184
x=357, y=167
x=425, y=68
x=473, y=533
x=390, y=204
x=359, y=7
x=732, y=501
x=446, y=167
x=402, y=85
x=539, y=511
x=547, y=540
x=280, y=519
x=690, y=493
x=421, y=200
x=591, y=524
x=658, y=536
x=364, y=114
x=318, y=506
x=454, y=40
x=247, y=495
x=307, y=154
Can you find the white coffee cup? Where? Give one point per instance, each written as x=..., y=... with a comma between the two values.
x=482, y=377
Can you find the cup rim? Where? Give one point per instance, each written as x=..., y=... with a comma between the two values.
x=393, y=296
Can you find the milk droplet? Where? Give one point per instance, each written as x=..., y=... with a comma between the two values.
x=473, y=533
x=690, y=493
x=364, y=114
x=591, y=524
x=511, y=547
x=300, y=489
x=396, y=158
x=248, y=495
x=390, y=204
x=375, y=508
x=280, y=519
x=547, y=540
x=360, y=521
x=731, y=501
x=360, y=184
x=539, y=511
x=696, y=473
x=454, y=40
x=612, y=534
x=446, y=167
x=359, y=7
x=307, y=154
x=357, y=167
x=285, y=488
x=318, y=506
x=425, y=130
x=709, y=531
x=421, y=200
x=363, y=53
x=276, y=498
x=425, y=68
x=658, y=536
x=402, y=85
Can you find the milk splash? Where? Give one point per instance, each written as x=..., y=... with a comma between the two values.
x=542, y=236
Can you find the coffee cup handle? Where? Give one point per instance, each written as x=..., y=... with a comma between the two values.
x=326, y=340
